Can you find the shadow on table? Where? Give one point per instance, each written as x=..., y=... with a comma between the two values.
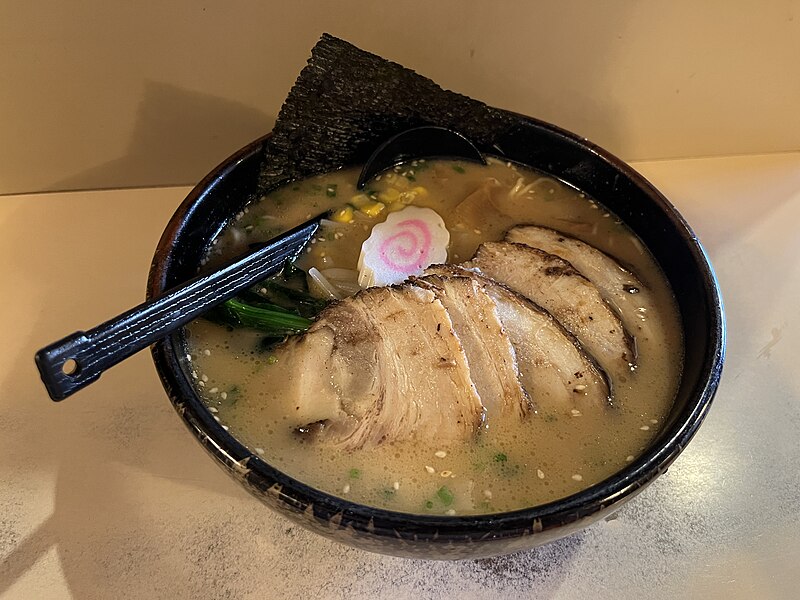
x=179, y=135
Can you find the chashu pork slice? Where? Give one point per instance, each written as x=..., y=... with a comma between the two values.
x=554, y=369
x=575, y=302
x=384, y=365
x=490, y=355
x=632, y=300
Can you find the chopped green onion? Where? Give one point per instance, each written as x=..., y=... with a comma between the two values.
x=500, y=457
x=330, y=191
x=459, y=169
x=355, y=474
x=445, y=495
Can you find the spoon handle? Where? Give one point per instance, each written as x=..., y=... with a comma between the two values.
x=74, y=362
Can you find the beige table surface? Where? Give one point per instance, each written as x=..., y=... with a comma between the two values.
x=107, y=496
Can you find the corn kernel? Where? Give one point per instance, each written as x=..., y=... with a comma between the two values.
x=360, y=200
x=407, y=197
x=420, y=191
x=390, y=195
x=343, y=215
x=372, y=208
x=401, y=183
x=394, y=207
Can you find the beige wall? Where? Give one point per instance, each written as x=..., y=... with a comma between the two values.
x=102, y=94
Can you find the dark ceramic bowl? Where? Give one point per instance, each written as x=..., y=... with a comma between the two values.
x=574, y=160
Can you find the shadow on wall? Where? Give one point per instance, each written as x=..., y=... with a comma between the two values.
x=178, y=137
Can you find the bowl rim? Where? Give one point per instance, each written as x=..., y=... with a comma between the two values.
x=299, y=497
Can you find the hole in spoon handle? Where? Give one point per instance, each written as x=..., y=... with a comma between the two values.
x=63, y=374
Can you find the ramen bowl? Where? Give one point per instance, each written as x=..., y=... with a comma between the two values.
x=228, y=188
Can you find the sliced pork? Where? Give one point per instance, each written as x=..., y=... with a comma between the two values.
x=554, y=369
x=382, y=366
x=620, y=288
x=555, y=285
x=491, y=357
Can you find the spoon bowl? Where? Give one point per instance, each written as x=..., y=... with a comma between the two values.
x=418, y=143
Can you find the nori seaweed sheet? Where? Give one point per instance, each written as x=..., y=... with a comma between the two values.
x=346, y=102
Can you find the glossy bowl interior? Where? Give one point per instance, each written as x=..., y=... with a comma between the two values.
x=574, y=160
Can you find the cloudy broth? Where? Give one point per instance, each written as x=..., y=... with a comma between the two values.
x=555, y=451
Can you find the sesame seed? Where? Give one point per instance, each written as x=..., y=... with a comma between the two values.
x=654, y=421
x=477, y=231
x=216, y=418
x=201, y=383
x=207, y=352
x=629, y=458
x=540, y=473
x=260, y=451
x=396, y=485
x=213, y=390
x=212, y=409
x=430, y=469
x=226, y=428
x=487, y=493
x=346, y=488
x=440, y=454
x=644, y=427
x=451, y=512
x=189, y=358
x=577, y=477
x=224, y=395
x=446, y=473
x=580, y=387
x=575, y=412
x=204, y=377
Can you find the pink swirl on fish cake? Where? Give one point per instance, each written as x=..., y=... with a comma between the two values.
x=407, y=250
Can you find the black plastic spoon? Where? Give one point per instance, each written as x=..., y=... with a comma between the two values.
x=74, y=362
x=413, y=144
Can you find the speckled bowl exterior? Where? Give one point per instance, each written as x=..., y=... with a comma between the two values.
x=229, y=187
